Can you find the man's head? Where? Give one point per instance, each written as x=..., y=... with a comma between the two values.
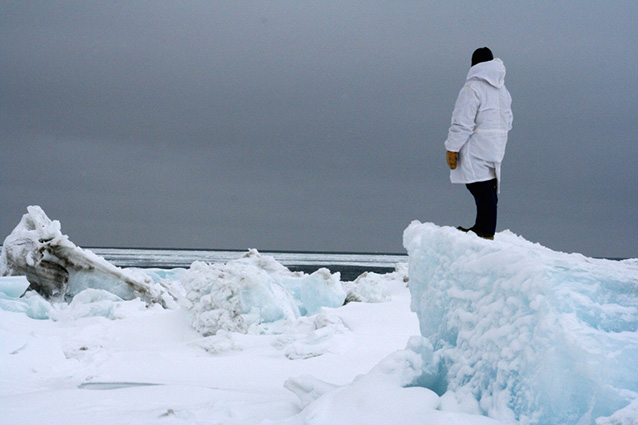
x=481, y=55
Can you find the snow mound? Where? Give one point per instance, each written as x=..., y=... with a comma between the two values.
x=524, y=333
x=314, y=336
x=385, y=395
x=372, y=287
x=250, y=294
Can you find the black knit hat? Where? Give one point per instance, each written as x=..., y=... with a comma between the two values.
x=481, y=55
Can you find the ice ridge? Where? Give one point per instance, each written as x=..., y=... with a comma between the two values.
x=532, y=335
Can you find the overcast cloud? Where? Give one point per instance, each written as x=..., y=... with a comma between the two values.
x=311, y=125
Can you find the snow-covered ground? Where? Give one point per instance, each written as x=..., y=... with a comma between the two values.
x=504, y=328
x=94, y=362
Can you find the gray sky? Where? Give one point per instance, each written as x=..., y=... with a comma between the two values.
x=311, y=125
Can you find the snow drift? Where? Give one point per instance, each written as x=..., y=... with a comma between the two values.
x=523, y=333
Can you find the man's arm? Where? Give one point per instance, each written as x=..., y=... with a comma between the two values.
x=463, y=117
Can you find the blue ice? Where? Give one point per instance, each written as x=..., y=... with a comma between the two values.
x=534, y=336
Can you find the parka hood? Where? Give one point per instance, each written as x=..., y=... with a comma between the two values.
x=492, y=72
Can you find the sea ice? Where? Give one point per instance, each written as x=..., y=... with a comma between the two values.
x=387, y=394
x=509, y=329
x=56, y=267
x=87, y=303
x=14, y=298
x=235, y=297
x=533, y=335
x=319, y=289
x=248, y=294
x=13, y=286
x=370, y=287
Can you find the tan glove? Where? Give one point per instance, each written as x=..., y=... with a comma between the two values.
x=452, y=157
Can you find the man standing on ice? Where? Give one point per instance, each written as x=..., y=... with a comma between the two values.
x=476, y=141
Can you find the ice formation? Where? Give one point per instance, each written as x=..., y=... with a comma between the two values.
x=56, y=267
x=247, y=294
x=394, y=391
x=509, y=329
x=371, y=398
x=523, y=333
x=13, y=297
x=372, y=287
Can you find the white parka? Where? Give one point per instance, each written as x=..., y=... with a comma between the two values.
x=481, y=120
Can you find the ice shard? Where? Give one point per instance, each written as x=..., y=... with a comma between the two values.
x=37, y=249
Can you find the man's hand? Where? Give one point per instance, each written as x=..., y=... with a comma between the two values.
x=451, y=159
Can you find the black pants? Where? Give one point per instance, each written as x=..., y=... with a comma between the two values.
x=486, y=200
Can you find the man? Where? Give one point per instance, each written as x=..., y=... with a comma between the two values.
x=476, y=140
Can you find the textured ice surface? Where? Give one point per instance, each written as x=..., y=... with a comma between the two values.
x=87, y=303
x=529, y=334
x=245, y=295
x=56, y=267
x=13, y=286
x=372, y=287
x=234, y=298
x=13, y=298
x=387, y=394
x=319, y=289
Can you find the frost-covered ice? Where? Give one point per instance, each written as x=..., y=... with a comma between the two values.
x=249, y=294
x=387, y=394
x=235, y=298
x=524, y=333
x=372, y=287
x=56, y=267
x=505, y=328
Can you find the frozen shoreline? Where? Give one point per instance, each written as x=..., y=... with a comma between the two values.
x=131, y=257
x=505, y=332
x=350, y=265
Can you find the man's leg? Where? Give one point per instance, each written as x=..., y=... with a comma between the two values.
x=486, y=200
